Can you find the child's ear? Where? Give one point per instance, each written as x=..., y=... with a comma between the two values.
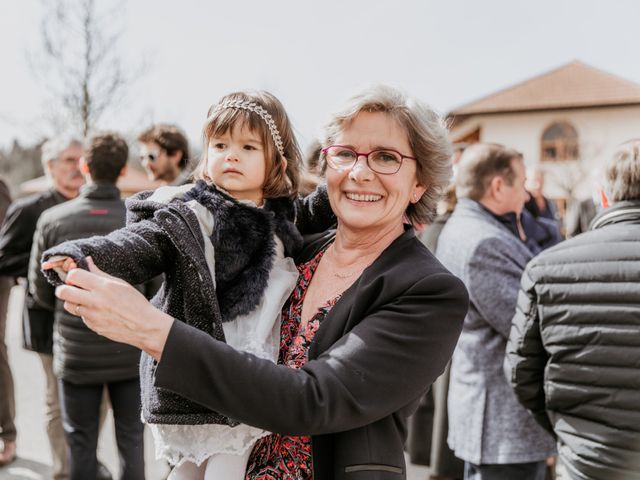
x=284, y=164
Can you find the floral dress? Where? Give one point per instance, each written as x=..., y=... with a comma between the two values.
x=288, y=457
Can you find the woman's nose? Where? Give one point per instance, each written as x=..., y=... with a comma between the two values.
x=360, y=170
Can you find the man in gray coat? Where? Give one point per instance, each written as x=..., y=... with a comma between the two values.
x=483, y=244
x=574, y=349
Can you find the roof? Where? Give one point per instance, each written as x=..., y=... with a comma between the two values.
x=132, y=182
x=574, y=85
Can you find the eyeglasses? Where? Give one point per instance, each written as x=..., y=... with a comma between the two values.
x=384, y=162
x=152, y=157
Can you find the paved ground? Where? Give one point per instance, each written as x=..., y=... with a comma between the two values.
x=34, y=458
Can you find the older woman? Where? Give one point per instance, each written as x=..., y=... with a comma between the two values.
x=371, y=324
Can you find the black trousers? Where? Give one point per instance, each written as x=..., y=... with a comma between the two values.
x=80, y=415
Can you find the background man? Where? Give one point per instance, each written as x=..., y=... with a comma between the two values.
x=574, y=348
x=164, y=153
x=482, y=244
x=60, y=159
x=85, y=362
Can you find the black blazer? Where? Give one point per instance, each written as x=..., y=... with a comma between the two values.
x=376, y=353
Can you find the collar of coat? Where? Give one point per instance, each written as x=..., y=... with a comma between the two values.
x=621, y=212
x=242, y=238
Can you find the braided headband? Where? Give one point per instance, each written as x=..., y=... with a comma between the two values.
x=260, y=111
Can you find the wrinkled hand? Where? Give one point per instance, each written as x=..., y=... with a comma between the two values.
x=112, y=308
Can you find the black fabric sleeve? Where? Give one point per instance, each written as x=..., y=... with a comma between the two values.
x=526, y=357
x=313, y=213
x=381, y=365
x=41, y=290
x=16, y=234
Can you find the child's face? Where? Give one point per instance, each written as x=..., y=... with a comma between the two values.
x=236, y=162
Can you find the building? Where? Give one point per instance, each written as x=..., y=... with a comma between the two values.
x=567, y=121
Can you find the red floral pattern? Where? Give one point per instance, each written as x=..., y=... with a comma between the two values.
x=288, y=457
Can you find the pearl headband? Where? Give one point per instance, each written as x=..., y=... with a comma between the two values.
x=260, y=111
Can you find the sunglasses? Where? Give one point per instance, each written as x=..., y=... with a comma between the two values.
x=152, y=157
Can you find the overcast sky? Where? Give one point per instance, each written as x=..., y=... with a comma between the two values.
x=313, y=54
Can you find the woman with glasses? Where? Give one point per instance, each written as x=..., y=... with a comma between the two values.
x=372, y=322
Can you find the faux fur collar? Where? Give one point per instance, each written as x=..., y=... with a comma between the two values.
x=244, y=245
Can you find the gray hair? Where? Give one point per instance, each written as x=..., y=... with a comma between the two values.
x=622, y=174
x=53, y=148
x=427, y=136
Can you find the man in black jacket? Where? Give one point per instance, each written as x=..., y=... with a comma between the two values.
x=574, y=348
x=60, y=159
x=83, y=361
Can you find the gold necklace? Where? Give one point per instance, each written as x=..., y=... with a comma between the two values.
x=343, y=276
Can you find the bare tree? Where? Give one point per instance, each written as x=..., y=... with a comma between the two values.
x=79, y=62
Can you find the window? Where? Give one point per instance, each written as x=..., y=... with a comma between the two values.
x=559, y=143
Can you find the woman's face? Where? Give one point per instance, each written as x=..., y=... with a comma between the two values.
x=361, y=198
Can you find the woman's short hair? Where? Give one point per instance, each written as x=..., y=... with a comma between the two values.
x=279, y=181
x=427, y=134
x=622, y=175
x=479, y=164
x=170, y=138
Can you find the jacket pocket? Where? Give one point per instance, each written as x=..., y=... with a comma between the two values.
x=372, y=467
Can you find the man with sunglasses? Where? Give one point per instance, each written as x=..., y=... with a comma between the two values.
x=164, y=153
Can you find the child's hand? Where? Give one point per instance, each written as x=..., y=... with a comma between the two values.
x=59, y=262
x=61, y=265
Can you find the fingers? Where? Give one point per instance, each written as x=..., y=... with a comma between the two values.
x=69, y=264
x=73, y=296
x=48, y=265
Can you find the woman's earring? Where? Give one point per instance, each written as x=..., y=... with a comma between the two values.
x=415, y=197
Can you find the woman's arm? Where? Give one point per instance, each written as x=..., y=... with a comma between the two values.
x=384, y=363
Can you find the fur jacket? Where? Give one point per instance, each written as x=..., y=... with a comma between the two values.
x=163, y=235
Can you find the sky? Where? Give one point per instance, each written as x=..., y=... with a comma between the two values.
x=314, y=54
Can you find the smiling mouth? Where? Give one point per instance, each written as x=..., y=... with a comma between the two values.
x=358, y=197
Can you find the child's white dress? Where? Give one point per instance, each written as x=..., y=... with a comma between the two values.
x=257, y=332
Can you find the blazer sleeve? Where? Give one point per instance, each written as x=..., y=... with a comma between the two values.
x=41, y=290
x=15, y=237
x=526, y=356
x=494, y=277
x=135, y=253
x=380, y=366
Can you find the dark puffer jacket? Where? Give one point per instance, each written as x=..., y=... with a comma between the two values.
x=163, y=237
x=574, y=348
x=81, y=356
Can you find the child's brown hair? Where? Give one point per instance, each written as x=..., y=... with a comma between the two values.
x=282, y=174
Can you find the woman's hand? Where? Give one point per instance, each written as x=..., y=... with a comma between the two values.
x=113, y=308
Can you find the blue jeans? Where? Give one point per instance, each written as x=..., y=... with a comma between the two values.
x=508, y=471
x=81, y=415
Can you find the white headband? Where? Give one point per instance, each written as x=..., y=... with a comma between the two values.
x=260, y=111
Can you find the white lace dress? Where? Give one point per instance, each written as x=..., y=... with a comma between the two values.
x=258, y=332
